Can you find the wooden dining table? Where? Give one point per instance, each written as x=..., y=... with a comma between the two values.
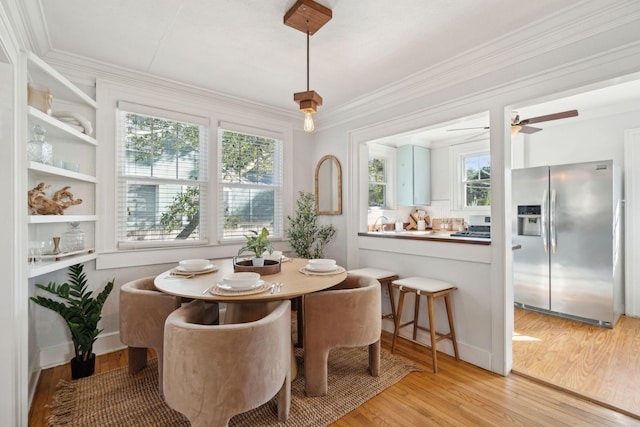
x=295, y=282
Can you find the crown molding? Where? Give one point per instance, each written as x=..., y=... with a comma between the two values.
x=85, y=71
x=29, y=25
x=563, y=28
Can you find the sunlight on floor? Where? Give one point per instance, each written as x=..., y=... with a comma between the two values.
x=518, y=337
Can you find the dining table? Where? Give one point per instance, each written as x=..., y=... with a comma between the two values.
x=292, y=282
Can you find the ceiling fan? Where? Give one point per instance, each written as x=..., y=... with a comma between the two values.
x=518, y=125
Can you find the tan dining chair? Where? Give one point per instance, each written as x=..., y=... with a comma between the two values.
x=143, y=311
x=213, y=372
x=345, y=315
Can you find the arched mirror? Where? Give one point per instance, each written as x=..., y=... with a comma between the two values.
x=328, y=186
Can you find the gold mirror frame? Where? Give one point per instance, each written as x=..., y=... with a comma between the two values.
x=328, y=186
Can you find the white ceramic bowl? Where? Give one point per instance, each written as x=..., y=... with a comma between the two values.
x=194, y=264
x=241, y=280
x=322, y=264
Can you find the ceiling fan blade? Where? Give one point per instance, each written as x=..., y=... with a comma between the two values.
x=549, y=117
x=529, y=130
x=483, y=128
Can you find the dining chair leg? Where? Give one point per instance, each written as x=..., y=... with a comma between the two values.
x=137, y=357
x=374, y=358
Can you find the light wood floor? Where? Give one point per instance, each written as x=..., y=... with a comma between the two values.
x=459, y=394
x=599, y=363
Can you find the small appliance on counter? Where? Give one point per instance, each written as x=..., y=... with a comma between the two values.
x=479, y=227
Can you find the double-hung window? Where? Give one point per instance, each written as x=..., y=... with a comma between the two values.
x=471, y=176
x=377, y=182
x=250, y=181
x=162, y=177
x=381, y=172
x=477, y=180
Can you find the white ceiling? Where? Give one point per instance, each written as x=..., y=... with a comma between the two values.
x=243, y=49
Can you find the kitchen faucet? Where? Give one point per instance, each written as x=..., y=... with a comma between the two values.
x=383, y=221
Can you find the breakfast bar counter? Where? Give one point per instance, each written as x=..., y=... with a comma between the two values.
x=427, y=235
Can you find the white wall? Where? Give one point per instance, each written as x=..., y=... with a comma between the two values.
x=583, y=140
x=571, y=62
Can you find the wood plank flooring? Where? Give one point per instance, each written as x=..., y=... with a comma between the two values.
x=599, y=363
x=459, y=394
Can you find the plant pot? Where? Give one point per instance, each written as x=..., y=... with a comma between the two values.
x=257, y=261
x=83, y=368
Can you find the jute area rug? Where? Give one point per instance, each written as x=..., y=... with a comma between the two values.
x=115, y=398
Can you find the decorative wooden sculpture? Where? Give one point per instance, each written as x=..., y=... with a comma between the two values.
x=39, y=204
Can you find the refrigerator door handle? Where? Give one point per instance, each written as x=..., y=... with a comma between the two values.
x=552, y=222
x=544, y=220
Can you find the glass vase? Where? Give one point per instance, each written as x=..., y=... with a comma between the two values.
x=40, y=150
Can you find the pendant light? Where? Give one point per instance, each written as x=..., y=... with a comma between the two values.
x=307, y=16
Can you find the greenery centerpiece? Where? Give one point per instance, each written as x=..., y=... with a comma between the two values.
x=81, y=311
x=258, y=243
x=306, y=237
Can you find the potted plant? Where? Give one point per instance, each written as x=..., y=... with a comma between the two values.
x=258, y=243
x=82, y=312
x=305, y=236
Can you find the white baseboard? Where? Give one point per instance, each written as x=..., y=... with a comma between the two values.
x=62, y=353
x=470, y=354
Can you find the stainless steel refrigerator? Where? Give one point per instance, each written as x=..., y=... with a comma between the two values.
x=567, y=220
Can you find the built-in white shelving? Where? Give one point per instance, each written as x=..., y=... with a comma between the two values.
x=49, y=266
x=75, y=147
x=47, y=170
x=56, y=219
x=56, y=128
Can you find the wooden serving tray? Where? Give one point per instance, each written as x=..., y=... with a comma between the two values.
x=270, y=267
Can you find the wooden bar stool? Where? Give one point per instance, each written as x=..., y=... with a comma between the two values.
x=385, y=278
x=432, y=289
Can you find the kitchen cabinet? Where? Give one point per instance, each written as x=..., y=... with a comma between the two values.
x=73, y=165
x=414, y=175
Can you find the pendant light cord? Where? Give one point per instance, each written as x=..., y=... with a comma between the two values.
x=307, y=55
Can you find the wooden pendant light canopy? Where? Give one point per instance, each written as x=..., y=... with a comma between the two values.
x=307, y=11
x=307, y=16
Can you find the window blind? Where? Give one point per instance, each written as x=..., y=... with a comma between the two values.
x=250, y=181
x=162, y=178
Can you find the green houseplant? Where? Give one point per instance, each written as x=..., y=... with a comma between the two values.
x=306, y=237
x=258, y=243
x=81, y=311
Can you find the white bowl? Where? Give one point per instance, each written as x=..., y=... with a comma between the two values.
x=321, y=264
x=241, y=280
x=194, y=264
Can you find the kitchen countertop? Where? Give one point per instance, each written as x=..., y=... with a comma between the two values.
x=426, y=235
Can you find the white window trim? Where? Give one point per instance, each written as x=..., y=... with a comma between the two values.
x=279, y=226
x=387, y=153
x=109, y=92
x=456, y=156
x=205, y=174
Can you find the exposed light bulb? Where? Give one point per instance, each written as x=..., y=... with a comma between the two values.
x=309, y=126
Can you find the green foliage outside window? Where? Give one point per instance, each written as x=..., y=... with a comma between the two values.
x=377, y=183
x=477, y=184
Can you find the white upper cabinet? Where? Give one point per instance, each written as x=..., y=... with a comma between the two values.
x=414, y=175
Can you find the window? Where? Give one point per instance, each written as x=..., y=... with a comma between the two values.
x=381, y=161
x=162, y=178
x=250, y=182
x=470, y=176
x=477, y=180
x=377, y=182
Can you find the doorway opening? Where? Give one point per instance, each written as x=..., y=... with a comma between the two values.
x=596, y=362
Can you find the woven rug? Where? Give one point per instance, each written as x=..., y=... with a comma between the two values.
x=115, y=398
